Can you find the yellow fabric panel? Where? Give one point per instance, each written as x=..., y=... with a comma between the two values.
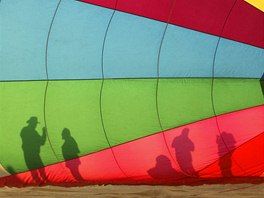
x=257, y=3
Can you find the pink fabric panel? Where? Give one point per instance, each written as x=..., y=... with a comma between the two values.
x=56, y=173
x=100, y=166
x=245, y=160
x=243, y=125
x=194, y=146
x=147, y=158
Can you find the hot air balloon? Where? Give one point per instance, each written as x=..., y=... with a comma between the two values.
x=131, y=92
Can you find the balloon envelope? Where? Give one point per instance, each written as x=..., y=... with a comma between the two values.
x=131, y=92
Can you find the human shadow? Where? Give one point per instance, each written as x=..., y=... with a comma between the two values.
x=225, y=142
x=31, y=143
x=163, y=169
x=262, y=83
x=183, y=150
x=70, y=150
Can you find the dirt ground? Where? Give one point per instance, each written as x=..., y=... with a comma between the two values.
x=209, y=190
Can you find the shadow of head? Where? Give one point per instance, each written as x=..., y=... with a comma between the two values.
x=65, y=133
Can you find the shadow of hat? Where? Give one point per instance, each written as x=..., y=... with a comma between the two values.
x=33, y=120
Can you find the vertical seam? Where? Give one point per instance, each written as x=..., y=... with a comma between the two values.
x=212, y=84
x=102, y=86
x=157, y=87
x=47, y=82
x=226, y=154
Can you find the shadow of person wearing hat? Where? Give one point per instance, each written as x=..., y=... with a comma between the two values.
x=31, y=143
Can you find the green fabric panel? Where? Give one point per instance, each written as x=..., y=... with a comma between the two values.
x=235, y=94
x=129, y=109
x=19, y=102
x=184, y=100
x=75, y=105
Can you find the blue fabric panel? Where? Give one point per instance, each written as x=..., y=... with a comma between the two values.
x=132, y=45
x=76, y=40
x=24, y=29
x=187, y=53
x=238, y=60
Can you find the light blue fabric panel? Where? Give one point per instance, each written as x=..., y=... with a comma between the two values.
x=132, y=45
x=187, y=53
x=75, y=46
x=238, y=60
x=24, y=28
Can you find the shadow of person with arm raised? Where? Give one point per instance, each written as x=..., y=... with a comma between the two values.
x=183, y=150
x=70, y=150
x=31, y=143
x=226, y=145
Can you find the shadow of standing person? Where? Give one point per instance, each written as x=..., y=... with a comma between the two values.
x=225, y=142
x=183, y=147
x=163, y=169
x=31, y=143
x=70, y=150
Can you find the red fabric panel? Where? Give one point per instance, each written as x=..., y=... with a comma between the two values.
x=190, y=149
x=54, y=174
x=104, y=3
x=194, y=146
x=147, y=158
x=249, y=156
x=245, y=23
x=100, y=166
x=202, y=15
x=93, y=168
x=154, y=9
x=235, y=128
x=243, y=125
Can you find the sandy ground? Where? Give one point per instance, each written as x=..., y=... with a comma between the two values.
x=212, y=190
